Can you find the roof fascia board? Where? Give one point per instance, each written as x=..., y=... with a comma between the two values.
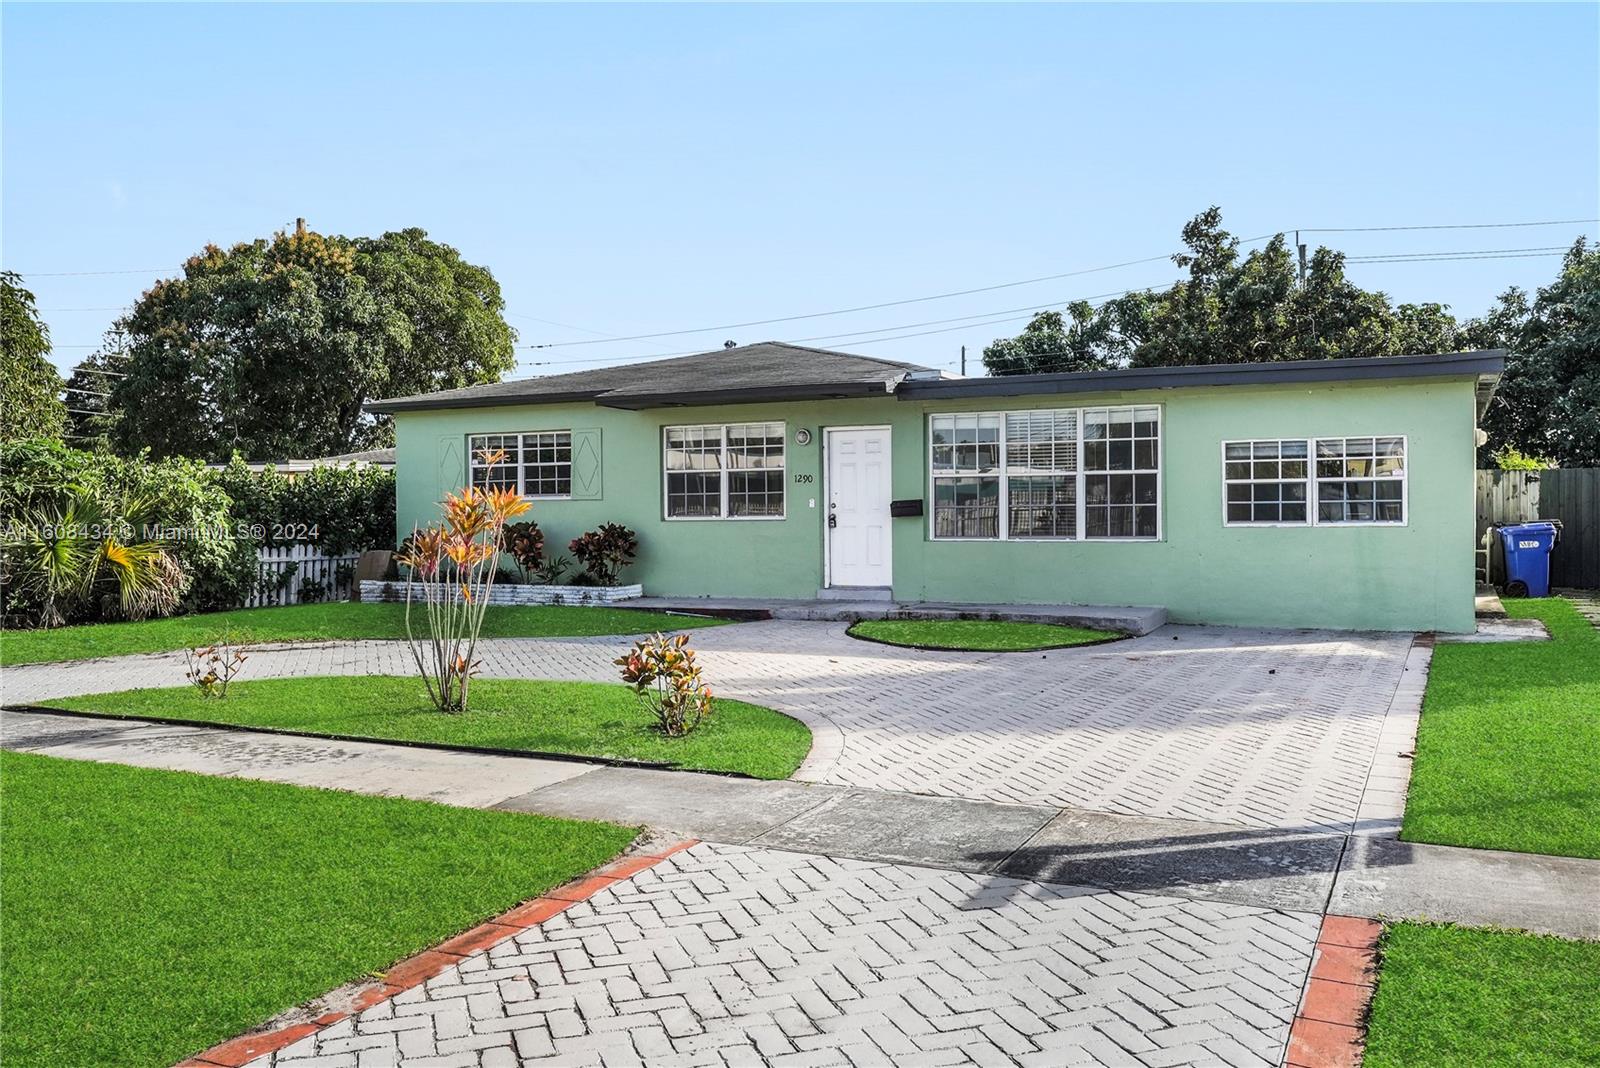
x=1486, y=363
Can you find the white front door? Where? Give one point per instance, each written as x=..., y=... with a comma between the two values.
x=858, y=507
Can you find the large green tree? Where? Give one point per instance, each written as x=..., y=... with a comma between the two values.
x=30, y=388
x=1230, y=309
x=1548, y=403
x=272, y=347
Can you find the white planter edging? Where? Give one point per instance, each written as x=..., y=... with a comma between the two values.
x=511, y=593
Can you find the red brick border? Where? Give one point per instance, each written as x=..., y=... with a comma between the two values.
x=413, y=971
x=1330, y=1027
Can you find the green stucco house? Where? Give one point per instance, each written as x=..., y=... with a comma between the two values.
x=1333, y=493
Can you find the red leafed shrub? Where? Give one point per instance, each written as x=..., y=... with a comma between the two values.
x=666, y=679
x=524, y=543
x=605, y=552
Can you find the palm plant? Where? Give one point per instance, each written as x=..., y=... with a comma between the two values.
x=60, y=555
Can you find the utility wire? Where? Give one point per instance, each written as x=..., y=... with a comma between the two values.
x=884, y=304
x=1445, y=226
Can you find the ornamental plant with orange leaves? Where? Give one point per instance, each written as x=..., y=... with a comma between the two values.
x=450, y=569
x=666, y=680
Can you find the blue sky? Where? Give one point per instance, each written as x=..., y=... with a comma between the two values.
x=633, y=170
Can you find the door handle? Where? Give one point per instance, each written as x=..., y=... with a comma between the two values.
x=833, y=520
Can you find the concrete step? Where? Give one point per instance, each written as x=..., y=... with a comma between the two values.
x=855, y=593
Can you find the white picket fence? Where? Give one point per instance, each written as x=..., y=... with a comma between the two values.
x=283, y=572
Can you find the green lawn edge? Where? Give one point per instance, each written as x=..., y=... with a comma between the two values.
x=1509, y=741
x=977, y=635
x=1456, y=997
x=337, y=621
x=151, y=914
x=599, y=720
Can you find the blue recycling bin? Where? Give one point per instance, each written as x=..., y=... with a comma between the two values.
x=1527, y=554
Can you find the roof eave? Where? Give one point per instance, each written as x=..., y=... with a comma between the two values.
x=749, y=395
x=1488, y=363
x=504, y=400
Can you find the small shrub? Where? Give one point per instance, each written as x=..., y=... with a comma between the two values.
x=211, y=667
x=313, y=591
x=550, y=572
x=605, y=552
x=524, y=543
x=666, y=679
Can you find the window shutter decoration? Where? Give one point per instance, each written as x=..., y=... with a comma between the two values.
x=452, y=473
x=586, y=464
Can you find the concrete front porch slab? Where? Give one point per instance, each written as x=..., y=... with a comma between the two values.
x=840, y=607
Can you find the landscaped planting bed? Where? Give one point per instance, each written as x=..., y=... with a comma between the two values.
x=150, y=914
x=1509, y=741
x=977, y=635
x=1453, y=997
x=592, y=719
x=319, y=622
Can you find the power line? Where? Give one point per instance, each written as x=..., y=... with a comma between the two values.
x=1445, y=226
x=1376, y=261
x=1460, y=252
x=564, y=326
x=884, y=304
x=82, y=274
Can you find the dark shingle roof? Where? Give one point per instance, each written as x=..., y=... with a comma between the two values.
x=770, y=370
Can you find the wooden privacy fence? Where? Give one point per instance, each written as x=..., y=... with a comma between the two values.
x=1571, y=495
x=296, y=574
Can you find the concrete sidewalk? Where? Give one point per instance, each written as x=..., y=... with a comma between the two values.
x=1366, y=872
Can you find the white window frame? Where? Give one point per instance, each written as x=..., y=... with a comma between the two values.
x=1080, y=534
x=725, y=482
x=1314, y=484
x=1222, y=452
x=1404, y=480
x=473, y=465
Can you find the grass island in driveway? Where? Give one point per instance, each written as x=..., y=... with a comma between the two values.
x=977, y=635
x=150, y=914
x=519, y=715
x=340, y=621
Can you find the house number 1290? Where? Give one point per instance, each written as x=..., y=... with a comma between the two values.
x=802, y=479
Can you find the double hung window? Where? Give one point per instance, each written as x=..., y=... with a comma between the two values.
x=535, y=465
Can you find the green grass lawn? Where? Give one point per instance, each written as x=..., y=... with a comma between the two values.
x=1509, y=743
x=320, y=622
x=976, y=635
x=150, y=914
x=586, y=718
x=1452, y=997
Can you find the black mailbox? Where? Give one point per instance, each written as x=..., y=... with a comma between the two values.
x=903, y=508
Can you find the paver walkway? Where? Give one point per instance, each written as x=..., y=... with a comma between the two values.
x=729, y=956
x=1263, y=728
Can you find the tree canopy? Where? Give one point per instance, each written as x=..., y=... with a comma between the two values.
x=272, y=347
x=1255, y=308
x=30, y=388
x=1548, y=403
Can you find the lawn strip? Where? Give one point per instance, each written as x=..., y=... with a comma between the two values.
x=590, y=719
x=1509, y=741
x=150, y=914
x=339, y=621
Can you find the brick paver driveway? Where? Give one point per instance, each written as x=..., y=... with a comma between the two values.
x=1265, y=728
x=729, y=956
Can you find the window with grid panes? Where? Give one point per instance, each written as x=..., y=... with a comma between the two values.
x=1361, y=480
x=535, y=465
x=1121, y=463
x=732, y=471
x=966, y=475
x=1266, y=481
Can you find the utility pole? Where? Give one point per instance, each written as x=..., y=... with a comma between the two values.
x=300, y=228
x=963, y=361
x=1302, y=250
